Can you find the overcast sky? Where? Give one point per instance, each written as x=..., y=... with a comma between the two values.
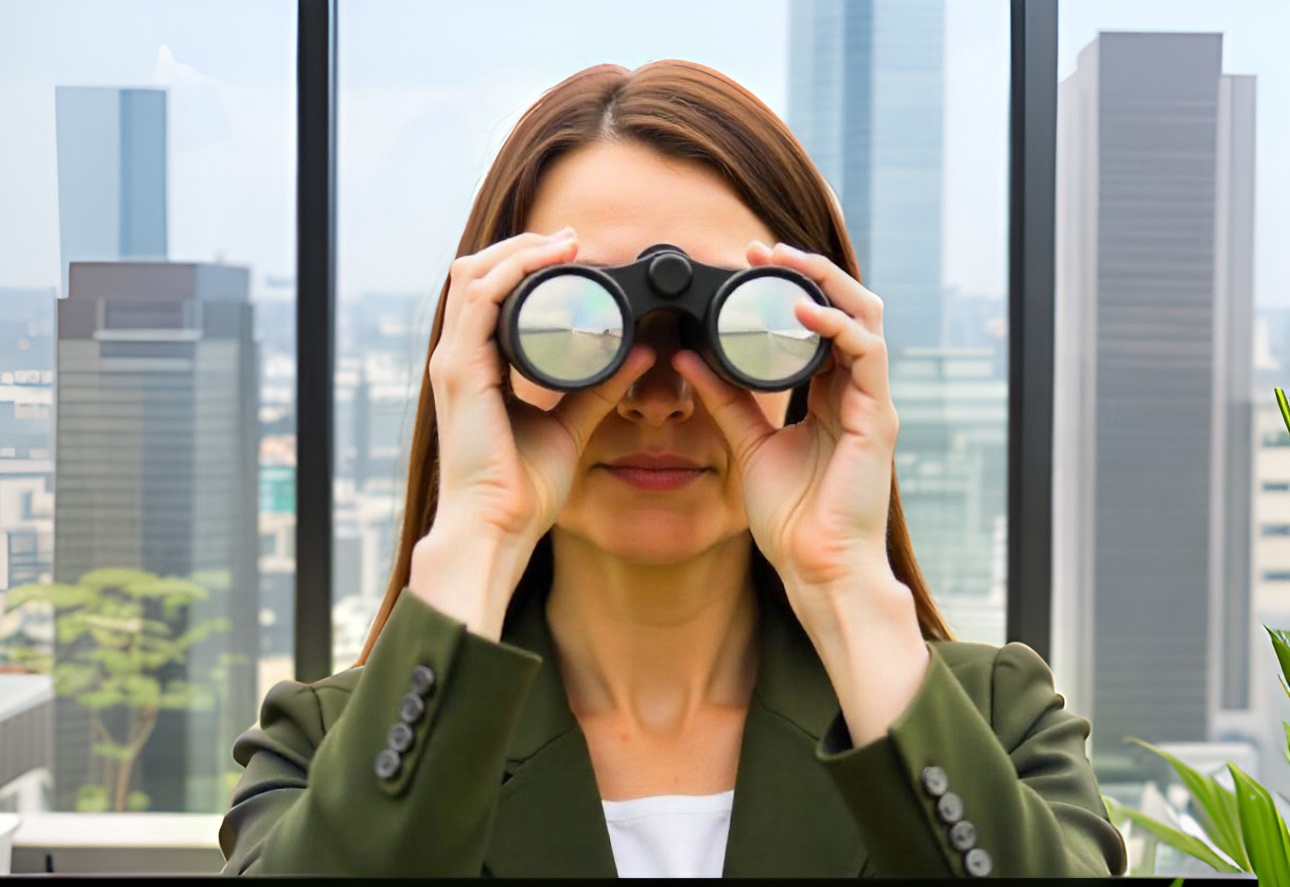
x=429, y=89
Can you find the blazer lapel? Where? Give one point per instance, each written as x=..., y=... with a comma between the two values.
x=789, y=819
x=549, y=820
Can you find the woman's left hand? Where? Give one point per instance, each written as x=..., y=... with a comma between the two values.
x=817, y=495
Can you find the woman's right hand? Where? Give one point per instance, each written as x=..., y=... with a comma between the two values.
x=505, y=470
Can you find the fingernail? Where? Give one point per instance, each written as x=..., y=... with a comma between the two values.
x=761, y=246
x=564, y=233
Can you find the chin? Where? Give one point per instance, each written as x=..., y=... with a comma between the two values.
x=654, y=538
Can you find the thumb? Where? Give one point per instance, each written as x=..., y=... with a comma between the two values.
x=581, y=411
x=734, y=409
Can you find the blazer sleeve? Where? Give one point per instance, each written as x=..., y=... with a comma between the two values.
x=1020, y=780
x=362, y=796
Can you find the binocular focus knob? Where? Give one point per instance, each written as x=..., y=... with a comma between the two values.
x=670, y=274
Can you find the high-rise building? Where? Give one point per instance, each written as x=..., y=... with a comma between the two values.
x=157, y=469
x=1152, y=413
x=26, y=435
x=866, y=99
x=951, y=465
x=111, y=174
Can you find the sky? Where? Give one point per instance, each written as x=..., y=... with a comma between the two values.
x=428, y=90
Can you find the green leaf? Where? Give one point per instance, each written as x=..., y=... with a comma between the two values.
x=112, y=751
x=170, y=586
x=116, y=662
x=1266, y=839
x=141, y=691
x=1185, y=843
x=1281, y=643
x=1215, y=807
x=114, y=577
x=1285, y=407
x=55, y=594
x=137, y=802
x=100, y=699
x=1287, y=726
x=91, y=799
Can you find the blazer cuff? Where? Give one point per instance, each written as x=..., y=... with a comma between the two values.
x=880, y=781
x=1003, y=790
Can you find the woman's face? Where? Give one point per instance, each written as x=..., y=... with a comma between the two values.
x=621, y=198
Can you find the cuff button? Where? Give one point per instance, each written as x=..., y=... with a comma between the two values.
x=388, y=764
x=423, y=681
x=935, y=782
x=401, y=736
x=963, y=835
x=411, y=708
x=977, y=862
x=949, y=808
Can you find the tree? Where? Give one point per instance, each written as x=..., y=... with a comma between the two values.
x=123, y=639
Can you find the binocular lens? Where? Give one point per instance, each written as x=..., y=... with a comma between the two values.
x=570, y=328
x=759, y=333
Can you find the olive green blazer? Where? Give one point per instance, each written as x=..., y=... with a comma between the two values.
x=491, y=774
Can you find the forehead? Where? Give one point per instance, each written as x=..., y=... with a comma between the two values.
x=623, y=197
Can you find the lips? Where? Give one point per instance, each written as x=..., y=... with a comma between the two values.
x=657, y=462
x=658, y=472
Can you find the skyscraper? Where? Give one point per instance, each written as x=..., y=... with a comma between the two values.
x=157, y=467
x=1152, y=419
x=866, y=99
x=26, y=435
x=111, y=174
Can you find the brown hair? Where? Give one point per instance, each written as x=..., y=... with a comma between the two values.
x=684, y=110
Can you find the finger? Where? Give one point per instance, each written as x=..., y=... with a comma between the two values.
x=465, y=269
x=481, y=299
x=465, y=356
x=841, y=288
x=580, y=412
x=863, y=352
x=734, y=409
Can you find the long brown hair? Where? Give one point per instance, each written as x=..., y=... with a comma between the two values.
x=684, y=110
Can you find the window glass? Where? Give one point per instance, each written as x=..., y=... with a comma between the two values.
x=1169, y=451
x=146, y=395
x=902, y=105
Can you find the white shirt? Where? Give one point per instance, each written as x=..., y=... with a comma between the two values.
x=670, y=836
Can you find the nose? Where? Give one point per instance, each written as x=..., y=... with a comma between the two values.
x=661, y=395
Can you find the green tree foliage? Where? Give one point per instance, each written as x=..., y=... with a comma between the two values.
x=123, y=638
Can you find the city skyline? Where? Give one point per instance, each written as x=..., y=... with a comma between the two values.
x=393, y=253
x=392, y=99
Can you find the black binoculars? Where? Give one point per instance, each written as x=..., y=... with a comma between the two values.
x=570, y=326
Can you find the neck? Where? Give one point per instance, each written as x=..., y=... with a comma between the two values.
x=653, y=645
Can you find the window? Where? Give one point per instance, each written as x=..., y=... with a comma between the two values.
x=1172, y=198
x=418, y=129
x=146, y=306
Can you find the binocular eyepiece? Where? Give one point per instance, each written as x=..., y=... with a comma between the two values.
x=570, y=326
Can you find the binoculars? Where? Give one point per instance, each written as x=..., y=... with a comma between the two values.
x=570, y=326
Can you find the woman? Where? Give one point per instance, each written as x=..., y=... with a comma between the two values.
x=664, y=625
